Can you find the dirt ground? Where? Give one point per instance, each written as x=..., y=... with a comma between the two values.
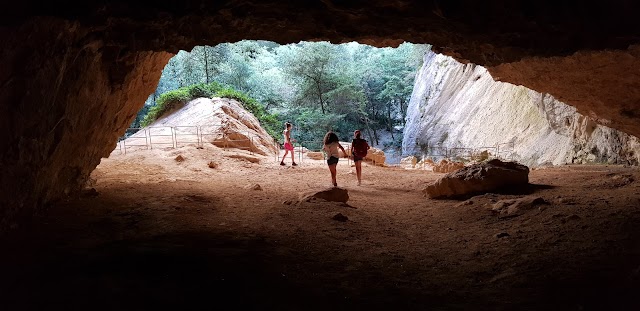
x=164, y=234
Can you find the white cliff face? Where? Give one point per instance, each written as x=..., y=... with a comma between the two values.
x=461, y=106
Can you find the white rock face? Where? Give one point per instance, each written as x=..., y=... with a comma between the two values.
x=456, y=105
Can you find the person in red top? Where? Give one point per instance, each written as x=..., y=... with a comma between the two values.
x=288, y=146
x=359, y=149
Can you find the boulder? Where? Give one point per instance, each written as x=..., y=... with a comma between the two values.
x=315, y=155
x=409, y=161
x=446, y=166
x=334, y=194
x=376, y=156
x=479, y=178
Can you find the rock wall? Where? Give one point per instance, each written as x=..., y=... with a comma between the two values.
x=224, y=122
x=65, y=101
x=458, y=105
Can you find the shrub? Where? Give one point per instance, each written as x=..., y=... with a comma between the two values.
x=167, y=101
x=203, y=90
x=174, y=99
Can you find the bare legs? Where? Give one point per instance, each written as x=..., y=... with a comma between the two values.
x=293, y=160
x=286, y=151
x=359, y=171
x=332, y=168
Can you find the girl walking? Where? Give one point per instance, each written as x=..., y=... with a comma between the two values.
x=288, y=146
x=359, y=149
x=331, y=146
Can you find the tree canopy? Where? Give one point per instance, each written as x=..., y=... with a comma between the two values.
x=317, y=86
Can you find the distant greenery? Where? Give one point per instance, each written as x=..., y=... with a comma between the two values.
x=317, y=86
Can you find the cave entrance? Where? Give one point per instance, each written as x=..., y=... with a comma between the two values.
x=315, y=86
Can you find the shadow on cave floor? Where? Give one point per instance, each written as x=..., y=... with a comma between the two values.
x=187, y=245
x=527, y=189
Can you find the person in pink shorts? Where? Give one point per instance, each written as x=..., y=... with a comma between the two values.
x=288, y=146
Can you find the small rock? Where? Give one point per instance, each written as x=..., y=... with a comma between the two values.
x=92, y=192
x=213, y=164
x=515, y=206
x=334, y=194
x=502, y=235
x=570, y=218
x=340, y=217
x=287, y=202
x=179, y=158
x=254, y=187
x=467, y=202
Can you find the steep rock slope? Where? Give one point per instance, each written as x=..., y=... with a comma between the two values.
x=219, y=121
x=456, y=105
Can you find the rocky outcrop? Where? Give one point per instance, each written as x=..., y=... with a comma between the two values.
x=220, y=121
x=493, y=175
x=457, y=105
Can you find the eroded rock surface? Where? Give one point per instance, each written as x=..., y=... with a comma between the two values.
x=457, y=105
x=220, y=121
x=478, y=178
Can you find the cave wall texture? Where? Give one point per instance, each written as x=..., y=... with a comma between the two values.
x=73, y=75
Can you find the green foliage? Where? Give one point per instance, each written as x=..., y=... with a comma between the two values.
x=176, y=98
x=203, y=90
x=166, y=102
x=317, y=86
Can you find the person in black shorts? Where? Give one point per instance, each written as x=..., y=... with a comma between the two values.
x=331, y=148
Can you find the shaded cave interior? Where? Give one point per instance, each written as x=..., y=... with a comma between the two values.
x=74, y=77
x=80, y=73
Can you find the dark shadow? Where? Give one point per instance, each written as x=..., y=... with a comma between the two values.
x=527, y=189
x=183, y=271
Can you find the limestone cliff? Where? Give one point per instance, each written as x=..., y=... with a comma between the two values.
x=457, y=105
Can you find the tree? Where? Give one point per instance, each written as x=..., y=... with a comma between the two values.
x=309, y=63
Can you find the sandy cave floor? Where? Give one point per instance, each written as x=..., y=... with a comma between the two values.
x=180, y=235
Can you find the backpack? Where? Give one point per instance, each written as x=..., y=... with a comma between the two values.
x=360, y=147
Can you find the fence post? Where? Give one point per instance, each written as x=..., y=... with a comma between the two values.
x=150, y=140
x=174, y=137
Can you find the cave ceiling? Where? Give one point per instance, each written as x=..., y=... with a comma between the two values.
x=539, y=44
x=483, y=32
